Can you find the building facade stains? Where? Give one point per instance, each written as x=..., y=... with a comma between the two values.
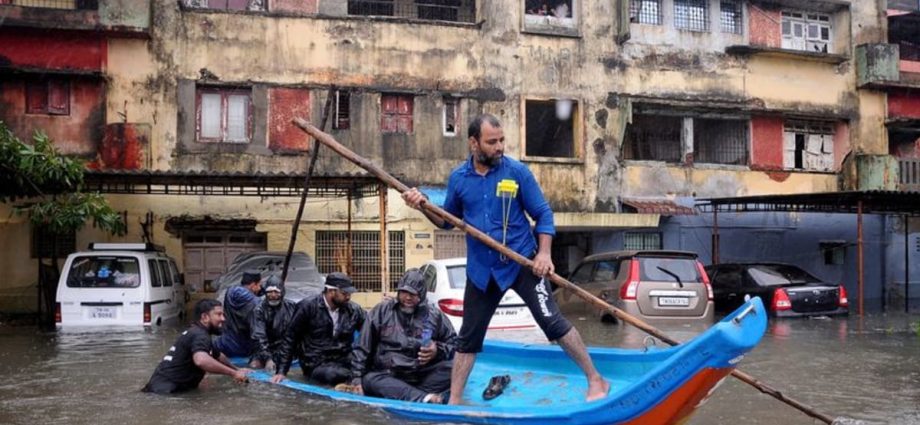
x=643, y=99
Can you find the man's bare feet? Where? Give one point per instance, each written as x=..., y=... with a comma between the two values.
x=597, y=389
x=433, y=399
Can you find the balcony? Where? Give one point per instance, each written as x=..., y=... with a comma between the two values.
x=124, y=18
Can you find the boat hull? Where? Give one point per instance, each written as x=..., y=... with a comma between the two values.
x=657, y=386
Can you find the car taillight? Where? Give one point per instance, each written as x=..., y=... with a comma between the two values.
x=629, y=289
x=699, y=266
x=842, y=300
x=57, y=312
x=781, y=300
x=451, y=307
x=146, y=313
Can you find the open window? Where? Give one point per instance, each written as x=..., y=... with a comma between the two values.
x=224, y=115
x=551, y=127
x=428, y=10
x=808, y=145
x=48, y=96
x=252, y=5
x=342, y=119
x=654, y=138
x=673, y=136
x=720, y=141
x=552, y=16
x=450, y=116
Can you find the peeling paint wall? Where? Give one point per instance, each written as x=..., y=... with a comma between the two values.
x=58, y=51
x=284, y=106
x=767, y=136
x=764, y=26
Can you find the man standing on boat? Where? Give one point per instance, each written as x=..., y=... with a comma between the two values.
x=322, y=332
x=492, y=193
x=240, y=301
x=406, y=347
x=271, y=320
x=184, y=365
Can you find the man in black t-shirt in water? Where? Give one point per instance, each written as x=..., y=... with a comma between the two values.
x=184, y=365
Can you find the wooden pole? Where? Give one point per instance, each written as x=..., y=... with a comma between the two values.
x=859, y=254
x=526, y=262
x=384, y=242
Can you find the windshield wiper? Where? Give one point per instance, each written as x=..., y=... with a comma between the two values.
x=672, y=274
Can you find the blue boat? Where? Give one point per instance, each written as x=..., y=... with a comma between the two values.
x=657, y=386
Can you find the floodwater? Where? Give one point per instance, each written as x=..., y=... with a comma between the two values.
x=867, y=371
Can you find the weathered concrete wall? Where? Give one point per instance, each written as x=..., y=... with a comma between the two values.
x=767, y=136
x=125, y=13
x=660, y=179
x=31, y=49
x=285, y=105
x=764, y=26
x=903, y=105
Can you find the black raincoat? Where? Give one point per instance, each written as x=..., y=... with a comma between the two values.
x=390, y=339
x=312, y=337
x=269, y=324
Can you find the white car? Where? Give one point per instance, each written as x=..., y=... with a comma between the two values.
x=446, y=281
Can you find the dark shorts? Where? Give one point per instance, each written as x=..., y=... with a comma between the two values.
x=479, y=306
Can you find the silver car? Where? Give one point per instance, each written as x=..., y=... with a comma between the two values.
x=652, y=285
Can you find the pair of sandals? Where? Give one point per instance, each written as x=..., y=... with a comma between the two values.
x=496, y=386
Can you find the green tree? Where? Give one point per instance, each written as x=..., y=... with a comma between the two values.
x=47, y=187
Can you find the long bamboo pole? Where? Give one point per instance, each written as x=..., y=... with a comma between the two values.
x=378, y=172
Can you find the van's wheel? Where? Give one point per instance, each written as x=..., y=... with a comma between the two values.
x=608, y=318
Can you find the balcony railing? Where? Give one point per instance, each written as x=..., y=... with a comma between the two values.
x=909, y=174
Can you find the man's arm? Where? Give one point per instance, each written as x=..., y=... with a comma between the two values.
x=536, y=206
x=415, y=198
x=259, y=334
x=208, y=364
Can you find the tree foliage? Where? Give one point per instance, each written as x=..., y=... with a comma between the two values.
x=47, y=186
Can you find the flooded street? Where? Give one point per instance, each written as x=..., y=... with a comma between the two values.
x=865, y=370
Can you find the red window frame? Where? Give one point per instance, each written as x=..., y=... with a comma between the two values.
x=49, y=96
x=225, y=94
x=396, y=112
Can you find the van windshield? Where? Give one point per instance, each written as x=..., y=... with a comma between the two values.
x=104, y=272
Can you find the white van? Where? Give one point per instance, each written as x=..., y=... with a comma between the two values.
x=119, y=284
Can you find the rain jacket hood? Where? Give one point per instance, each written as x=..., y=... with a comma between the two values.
x=413, y=281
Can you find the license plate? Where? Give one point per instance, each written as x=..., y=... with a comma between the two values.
x=673, y=301
x=507, y=311
x=102, y=313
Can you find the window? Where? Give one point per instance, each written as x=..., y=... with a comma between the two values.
x=48, y=96
x=730, y=16
x=371, y=7
x=342, y=110
x=641, y=240
x=396, y=113
x=550, y=128
x=228, y=4
x=164, y=272
x=100, y=271
x=834, y=252
x=450, y=116
x=332, y=255
x=654, y=137
x=549, y=14
x=46, y=244
x=439, y=10
x=720, y=141
x=645, y=12
x=691, y=15
x=809, y=32
x=808, y=145
x=156, y=279
x=224, y=115
x=431, y=10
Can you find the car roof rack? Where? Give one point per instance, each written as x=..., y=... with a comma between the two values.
x=107, y=246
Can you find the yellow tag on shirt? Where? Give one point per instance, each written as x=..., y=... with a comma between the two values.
x=506, y=187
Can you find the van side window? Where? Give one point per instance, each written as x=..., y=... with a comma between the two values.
x=156, y=280
x=164, y=272
x=175, y=273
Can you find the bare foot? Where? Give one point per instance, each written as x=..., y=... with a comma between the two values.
x=597, y=389
x=456, y=401
x=433, y=399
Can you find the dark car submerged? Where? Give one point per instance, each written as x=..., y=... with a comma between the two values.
x=787, y=290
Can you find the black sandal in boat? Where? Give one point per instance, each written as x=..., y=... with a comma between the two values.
x=496, y=386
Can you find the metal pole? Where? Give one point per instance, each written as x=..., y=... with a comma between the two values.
x=348, y=266
x=859, y=254
x=715, y=235
x=384, y=242
x=906, y=263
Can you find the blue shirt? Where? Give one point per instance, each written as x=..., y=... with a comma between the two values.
x=473, y=198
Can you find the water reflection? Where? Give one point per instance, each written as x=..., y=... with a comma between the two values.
x=866, y=372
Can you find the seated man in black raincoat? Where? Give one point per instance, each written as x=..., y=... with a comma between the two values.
x=270, y=321
x=406, y=347
x=322, y=332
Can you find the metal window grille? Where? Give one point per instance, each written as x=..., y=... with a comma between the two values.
x=909, y=171
x=332, y=255
x=654, y=137
x=691, y=15
x=730, y=12
x=719, y=141
x=449, y=244
x=450, y=116
x=431, y=10
x=55, y=4
x=45, y=243
x=809, y=127
x=645, y=12
x=641, y=241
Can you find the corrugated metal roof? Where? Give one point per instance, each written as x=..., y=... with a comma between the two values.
x=849, y=202
x=656, y=206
